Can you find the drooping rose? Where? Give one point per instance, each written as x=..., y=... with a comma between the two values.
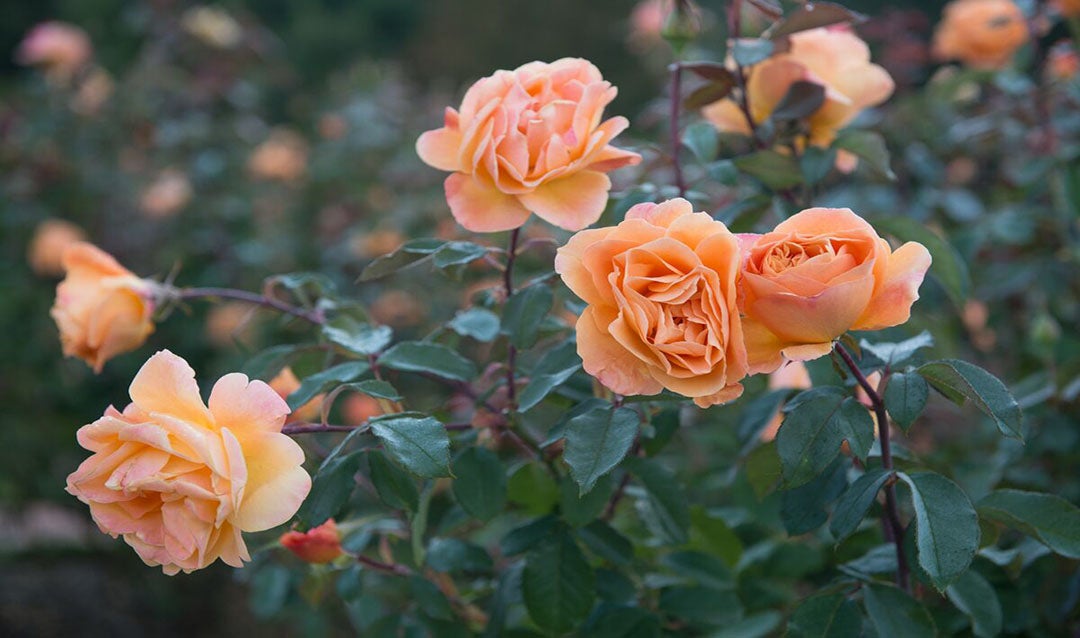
x=834, y=58
x=820, y=273
x=101, y=308
x=178, y=479
x=60, y=48
x=320, y=544
x=661, y=294
x=983, y=34
x=51, y=238
x=529, y=140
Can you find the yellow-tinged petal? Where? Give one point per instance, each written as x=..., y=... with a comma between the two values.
x=480, y=207
x=571, y=202
x=891, y=305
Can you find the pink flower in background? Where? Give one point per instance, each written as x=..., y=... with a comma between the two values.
x=179, y=480
x=58, y=47
x=529, y=140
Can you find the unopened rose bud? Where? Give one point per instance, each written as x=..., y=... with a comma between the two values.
x=320, y=544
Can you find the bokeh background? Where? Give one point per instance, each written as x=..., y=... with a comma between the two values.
x=224, y=143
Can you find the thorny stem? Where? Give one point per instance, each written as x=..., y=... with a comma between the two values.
x=892, y=519
x=676, y=143
x=314, y=316
x=397, y=570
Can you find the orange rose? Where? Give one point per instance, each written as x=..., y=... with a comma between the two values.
x=320, y=544
x=51, y=238
x=983, y=34
x=179, y=480
x=526, y=140
x=820, y=273
x=662, y=313
x=62, y=49
x=833, y=58
x=101, y=308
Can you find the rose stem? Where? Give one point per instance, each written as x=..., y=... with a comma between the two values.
x=313, y=316
x=511, y=351
x=891, y=517
x=676, y=143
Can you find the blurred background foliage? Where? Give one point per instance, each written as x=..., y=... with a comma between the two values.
x=165, y=164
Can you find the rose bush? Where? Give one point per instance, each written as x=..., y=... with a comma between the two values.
x=180, y=480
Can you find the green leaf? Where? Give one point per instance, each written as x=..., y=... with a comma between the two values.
x=977, y=599
x=750, y=51
x=947, y=266
x=458, y=253
x=553, y=369
x=625, y=622
x=581, y=509
x=303, y=284
x=702, y=140
x=802, y=509
x=327, y=379
x=763, y=469
x=773, y=169
x=394, y=486
x=905, y=397
x=708, y=93
x=418, y=443
x=269, y=362
x=607, y=543
x=713, y=534
x=825, y=616
x=895, y=614
x=853, y=505
x=532, y=487
x=454, y=555
x=558, y=585
x=700, y=569
x=812, y=16
x=480, y=483
x=479, y=323
x=756, y=416
x=664, y=507
x=960, y=380
x=430, y=358
x=893, y=354
x=596, y=441
x=870, y=147
x=801, y=100
x=407, y=254
x=359, y=338
x=330, y=489
x=524, y=537
x=757, y=625
x=1050, y=519
x=429, y=598
x=816, y=423
x=701, y=605
x=524, y=312
x=947, y=528
x=816, y=162
x=269, y=590
x=376, y=388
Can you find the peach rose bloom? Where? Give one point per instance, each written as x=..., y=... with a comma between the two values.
x=526, y=140
x=320, y=544
x=166, y=195
x=661, y=295
x=820, y=273
x=983, y=34
x=282, y=157
x=51, y=238
x=793, y=376
x=60, y=48
x=834, y=58
x=101, y=308
x=180, y=480
x=284, y=384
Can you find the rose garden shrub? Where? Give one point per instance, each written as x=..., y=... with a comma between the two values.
x=561, y=425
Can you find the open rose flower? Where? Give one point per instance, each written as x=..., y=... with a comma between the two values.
x=820, y=273
x=179, y=480
x=983, y=34
x=526, y=140
x=101, y=308
x=662, y=313
x=834, y=58
x=320, y=544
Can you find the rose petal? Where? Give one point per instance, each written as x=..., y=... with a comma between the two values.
x=611, y=364
x=440, y=149
x=276, y=482
x=166, y=384
x=891, y=305
x=481, y=208
x=571, y=202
